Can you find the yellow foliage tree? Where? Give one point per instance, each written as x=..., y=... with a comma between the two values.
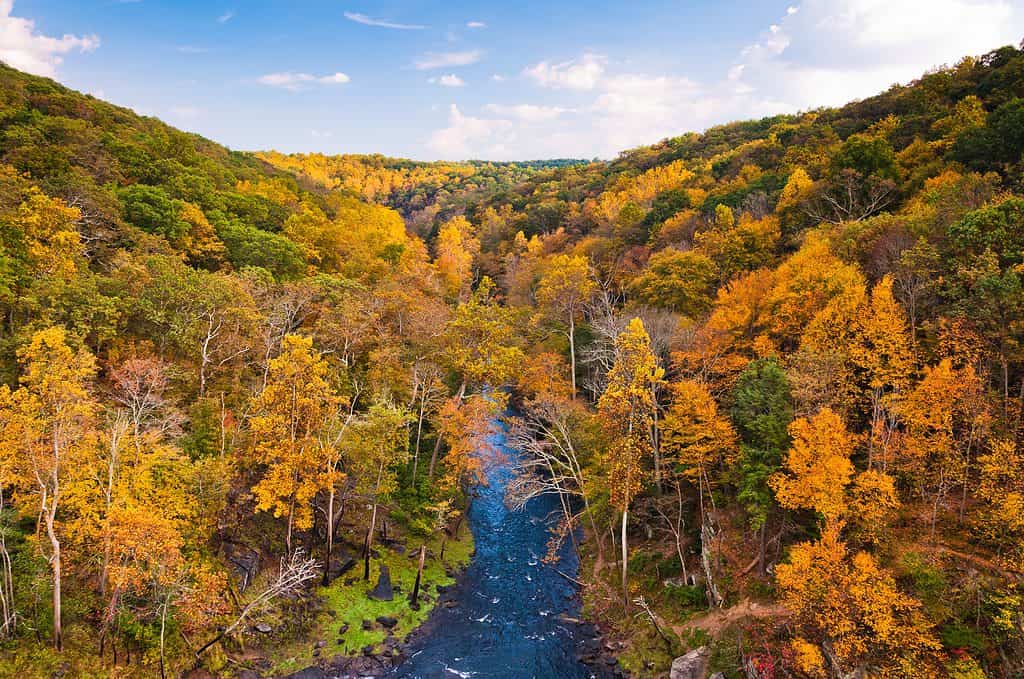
x=290, y=413
x=626, y=408
x=48, y=424
x=818, y=466
x=854, y=606
x=566, y=286
x=457, y=249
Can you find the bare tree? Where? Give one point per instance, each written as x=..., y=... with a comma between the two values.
x=850, y=197
x=294, y=572
x=139, y=385
x=550, y=461
x=8, y=613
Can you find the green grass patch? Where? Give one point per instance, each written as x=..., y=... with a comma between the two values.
x=350, y=605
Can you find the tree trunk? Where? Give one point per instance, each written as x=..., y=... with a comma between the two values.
x=762, y=546
x=55, y=565
x=373, y=524
x=419, y=435
x=330, y=535
x=572, y=351
x=414, y=599
x=625, y=560
x=163, y=630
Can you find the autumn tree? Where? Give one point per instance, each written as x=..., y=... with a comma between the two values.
x=563, y=292
x=678, y=281
x=626, y=408
x=945, y=418
x=1001, y=488
x=289, y=415
x=376, y=444
x=48, y=423
x=818, y=466
x=697, y=440
x=457, y=249
x=854, y=606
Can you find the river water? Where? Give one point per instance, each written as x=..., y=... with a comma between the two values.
x=514, y=616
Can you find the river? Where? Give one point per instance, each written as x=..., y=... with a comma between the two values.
x=513, y=616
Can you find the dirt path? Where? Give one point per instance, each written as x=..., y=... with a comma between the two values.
x=717, y=620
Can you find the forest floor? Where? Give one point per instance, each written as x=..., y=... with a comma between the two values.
x=339, y=628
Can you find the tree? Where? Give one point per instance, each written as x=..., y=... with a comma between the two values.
x=882, y=351
x=626, y=408
x=208, y=317
x=696, y=440
x=564, y=290
x=677, y=281
x=456, y=248
x=855, y=607
x=375, y=445
x=945, y=418
x=761, y=411
x=295, y=571
x=289, y=415
x=818, y=466
x=1001, y=488
x=48, y=423
x=550, y=432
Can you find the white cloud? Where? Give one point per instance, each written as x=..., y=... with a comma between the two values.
x=336, y=79
x=25, y=49
x=824, y=52
x=226, y=17
x=818, y=53
x=293, y=81
x=576, y=74
x=467, y=135
x=321, y=134
x=433, y=60
x=531, y=113
x=475, y=24
x=498, y=78
x=449, y=80
x=381, y=23
x=192, y=49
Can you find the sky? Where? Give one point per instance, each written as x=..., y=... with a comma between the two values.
x=487, y=80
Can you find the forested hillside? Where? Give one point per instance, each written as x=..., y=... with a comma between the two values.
x=774, y=372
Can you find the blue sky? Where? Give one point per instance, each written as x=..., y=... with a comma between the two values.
x=486, y=80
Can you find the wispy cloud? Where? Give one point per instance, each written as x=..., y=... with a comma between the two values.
x=226, y=17
x=432, y=60
x=476, y=24
x=467, y=135
x=192, y=49
x=575, y=74
x=293, y=81
x=382, y=23
x=23, y=48
x=530, y=113
x=449, y=80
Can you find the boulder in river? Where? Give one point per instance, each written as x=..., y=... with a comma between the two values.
x=383, y=590
x=691, y=665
